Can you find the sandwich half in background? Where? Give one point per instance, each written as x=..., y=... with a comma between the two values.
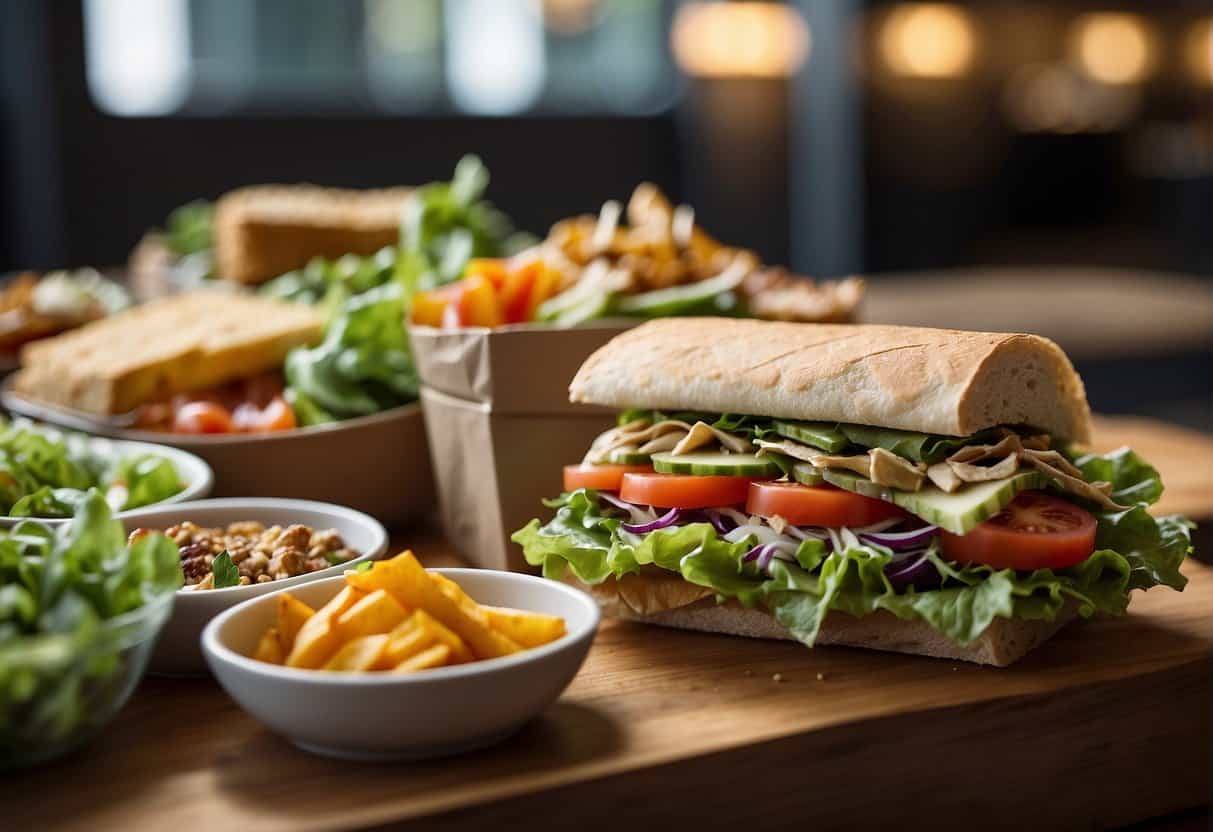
x=904, y=489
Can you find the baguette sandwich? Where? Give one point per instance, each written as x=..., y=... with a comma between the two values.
x=903, y=489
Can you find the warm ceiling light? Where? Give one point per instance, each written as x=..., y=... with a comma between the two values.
x=723, y=39
x=928, y=40
x=1199, y=49
x=1113, y=47
x=568, y=17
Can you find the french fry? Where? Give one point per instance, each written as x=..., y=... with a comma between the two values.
x=441, y=634
x=435, y=656
x=292, y=613
x=529, y=629
x=269, y=649
x=404, y=646
x=378, y=612
x=319, y=638
x=405, y=578
x=360, y=653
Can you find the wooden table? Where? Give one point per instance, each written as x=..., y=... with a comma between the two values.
x=1107, y=724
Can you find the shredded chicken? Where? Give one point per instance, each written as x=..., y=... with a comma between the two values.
x=944, y=477
x=702, y=434
x=1059, y=469
x=880, y=466
x=633, y=436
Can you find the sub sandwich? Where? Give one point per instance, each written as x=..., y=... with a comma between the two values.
x=905, y=489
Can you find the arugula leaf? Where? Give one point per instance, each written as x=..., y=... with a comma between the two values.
x=225, y=572
x=364, y=566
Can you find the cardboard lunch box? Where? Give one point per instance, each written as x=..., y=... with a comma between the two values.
x=501, y=427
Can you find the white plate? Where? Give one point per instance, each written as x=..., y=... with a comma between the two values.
x=194, y=472
x=178, y=653
x=381, y=716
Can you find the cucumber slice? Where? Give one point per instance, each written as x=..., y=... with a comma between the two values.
x=822, y=435
x=715, y=465
x=958, y=512
x=590, y=309
x=806, y=474
x=627, y=458
x=678, y=300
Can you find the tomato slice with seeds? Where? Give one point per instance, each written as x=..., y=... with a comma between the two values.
x=599, y=477
x=1035, y=531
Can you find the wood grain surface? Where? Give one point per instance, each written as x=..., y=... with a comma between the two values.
x=1108, y=724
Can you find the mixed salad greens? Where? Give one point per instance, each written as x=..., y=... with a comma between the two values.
x=857, y=572
x=44, y=474
x=71, y=601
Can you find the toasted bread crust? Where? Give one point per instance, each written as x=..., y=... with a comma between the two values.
x=931, y=380
x=263, y=231
x=657, y=599
x=178, y=344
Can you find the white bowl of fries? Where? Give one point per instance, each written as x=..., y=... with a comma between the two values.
x=409, y=647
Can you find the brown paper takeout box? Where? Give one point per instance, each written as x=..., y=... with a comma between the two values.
x=501, y=427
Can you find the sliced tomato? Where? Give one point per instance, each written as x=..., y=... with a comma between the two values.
x=1036, y=531
x=202, y=417
x=599, y=477
x=478, y=302
x=277, y=415
x=817, y=505
x=681, y=491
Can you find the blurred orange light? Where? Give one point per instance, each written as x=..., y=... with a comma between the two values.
x=1113, y=47
x=1199, y=48
x=723, y=39
x=568, y=17
x=928, y=40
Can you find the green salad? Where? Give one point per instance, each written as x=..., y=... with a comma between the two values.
x=71, y=600
x=43, y=474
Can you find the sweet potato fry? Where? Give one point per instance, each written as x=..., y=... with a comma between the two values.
x=435, y=656
x=529, y=629
x=319, y=637
x=292, y=613
x=405, y=578
x=359, y=653
x=378, y=612
x=269, y=649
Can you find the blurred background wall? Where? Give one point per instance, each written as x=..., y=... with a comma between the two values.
x=956, y=151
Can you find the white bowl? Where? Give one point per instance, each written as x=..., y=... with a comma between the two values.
x=194, y=472
x=179, y=653
x=379, y=716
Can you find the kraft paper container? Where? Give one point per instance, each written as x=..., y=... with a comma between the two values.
x=501, y=427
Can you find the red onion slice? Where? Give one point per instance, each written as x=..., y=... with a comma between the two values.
x=637, y=514
x=667, y=519
x=916, y=569
x=901, y=541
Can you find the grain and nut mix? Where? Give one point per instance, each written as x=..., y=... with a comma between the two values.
x=260, y=553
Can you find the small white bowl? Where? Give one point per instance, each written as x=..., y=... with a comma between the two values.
x=194, y=472
x=432, y=713
x=178, y=652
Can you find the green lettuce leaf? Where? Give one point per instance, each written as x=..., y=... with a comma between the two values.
x=1135, y=551
x=1134, y=481
x=148, y=478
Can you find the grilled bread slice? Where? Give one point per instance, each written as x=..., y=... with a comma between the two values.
x=188, y=342
x=263, y=231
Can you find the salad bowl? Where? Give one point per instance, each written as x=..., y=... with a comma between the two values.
x=377, y=464
x=194, y=474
